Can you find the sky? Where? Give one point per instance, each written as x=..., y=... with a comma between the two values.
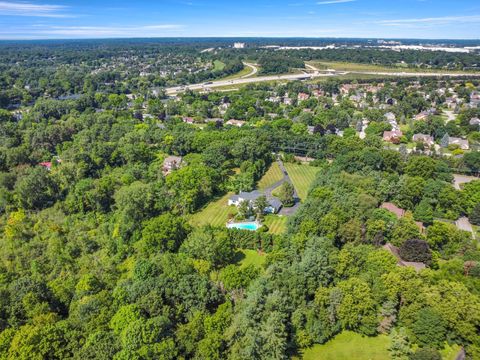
x=69, y=19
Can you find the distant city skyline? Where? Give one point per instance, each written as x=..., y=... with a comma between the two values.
x=68, y=19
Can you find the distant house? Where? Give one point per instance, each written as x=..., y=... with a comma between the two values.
x=233, y=122
x=392, y=136
x=47, y=165
x=303, y=97
x=422, y=116
x=274, y=205
x=188, y=120
x=399, y=213
x=391, y=116
x=393, y=209
x=462, y=143
x=395, y=252
x=171, y=163
x=423, y=138
x=475, y=121
x=475, y=99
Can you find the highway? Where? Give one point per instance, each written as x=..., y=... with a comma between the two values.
x=248, y=79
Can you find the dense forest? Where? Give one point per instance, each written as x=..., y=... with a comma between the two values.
x=100, y=257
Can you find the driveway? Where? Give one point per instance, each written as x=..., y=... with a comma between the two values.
x=459, y=180
x=464, y=224
x=286, y=178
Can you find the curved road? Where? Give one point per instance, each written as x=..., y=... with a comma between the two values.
x=290, y=77
x=254, y=70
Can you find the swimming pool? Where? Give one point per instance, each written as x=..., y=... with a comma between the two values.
x=250, y=226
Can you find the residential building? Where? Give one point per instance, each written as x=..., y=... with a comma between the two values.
x=395, y=252
x=274, y=205
x=233, y=122
x=462, y=143
x=303, y=97
x=423, y=138
x=475, y=121
x=188, y=120
x=392, y=136
x=171, y=163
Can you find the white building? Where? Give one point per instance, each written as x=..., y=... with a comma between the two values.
x=239, y=45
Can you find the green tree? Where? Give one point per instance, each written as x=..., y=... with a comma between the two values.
x=429, y=329
x=399, y=347
x=474, y=216
x=286, y=194
x=423, y=212
x=36, y=189
x=163, y=233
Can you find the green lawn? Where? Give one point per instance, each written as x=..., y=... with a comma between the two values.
x=349, y=345
x=273, y=175
x=251, y=257
x=246, y=71
x=218, y=65
x=347, y=66
x=215, y=213
x=276, y=224
x=302, y=177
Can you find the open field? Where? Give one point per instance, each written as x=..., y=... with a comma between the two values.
x=349, y=345
x=246, y=70
x=215, y=213
x=251, y=257
x=344, y=66
x=302, y=177
x=218, y=65
x=272, y=176
x=277, y=224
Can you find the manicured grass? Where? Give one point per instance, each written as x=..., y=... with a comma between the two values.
x=273, y=175
x=251, y=257
x=349, y=345
x=218, y=65
x=215, y=213
x=276, y=224
x=302, y=177
x=246, y=71
x=346, y=66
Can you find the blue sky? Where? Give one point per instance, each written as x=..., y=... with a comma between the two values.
x=54, y=19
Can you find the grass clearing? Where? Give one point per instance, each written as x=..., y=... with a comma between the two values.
x=273, y=175
x=349, y=345
x=218, y=65
x=247, y=70
x=347, y=66
x=276, y=224
x=251, y=257
x=215, y=213
x=302, y=177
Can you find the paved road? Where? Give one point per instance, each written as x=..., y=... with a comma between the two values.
x=459, y=180
x=254, y=70
x=464, y=224
x=317, y=74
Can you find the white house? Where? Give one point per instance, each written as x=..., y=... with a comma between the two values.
x=274, y=204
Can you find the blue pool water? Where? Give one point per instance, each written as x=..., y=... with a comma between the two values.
x=251, y=226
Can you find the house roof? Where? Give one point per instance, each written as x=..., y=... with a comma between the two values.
x=395, y=252
x=393, y=209
x=173, y=159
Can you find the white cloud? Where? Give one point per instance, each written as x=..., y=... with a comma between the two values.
x=432, y=20
x=108, y=31
x=8, y=8
x=329, y=2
